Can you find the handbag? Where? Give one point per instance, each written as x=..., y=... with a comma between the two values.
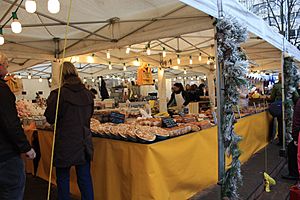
x=275, y=109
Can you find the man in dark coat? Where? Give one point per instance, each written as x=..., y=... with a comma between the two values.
x=13, y=142
x=73, y=142
x=103, y=90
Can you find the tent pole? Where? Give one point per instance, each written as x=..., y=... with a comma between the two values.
x=162, y=90
x=283, y=150
x=220, y=105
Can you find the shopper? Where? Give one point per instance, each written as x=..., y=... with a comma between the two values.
x=179, y=97
x=194, y=93
x=73, y=144
x=202, y=89
x=13, y=142
x=103, y=90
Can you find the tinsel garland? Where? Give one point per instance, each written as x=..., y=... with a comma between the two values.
x=234, y=65
x=291, y=80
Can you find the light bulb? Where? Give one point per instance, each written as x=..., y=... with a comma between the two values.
x=164, y=52
x=178, y=59
x=184, y=72
x=192, y=79
x=30, y=6
x=136, y=62
x=107, y=77
x=128, y=50
x=40, y=80
x=108, y=55
x=84, y=80
x=29, y=76
x=16, y=26
x=204, y=78
x=148, y=51
x=180, y=77
x=90, y=59
x=93, y=80
x=174, y=79
x=208, y=60
x=200, y=57
x=1, y=37
x=109, y=66
x=124, y=67
x=184, y=78
x=53, y=6
x=198, y=78
x=191, y=60
x=50, y=80
x=19, y=76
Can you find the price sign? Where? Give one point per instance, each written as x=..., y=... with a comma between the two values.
x=117, y=118
x=168, y=123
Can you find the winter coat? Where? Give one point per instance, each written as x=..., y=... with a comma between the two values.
x=12, y=138
x=73, y=142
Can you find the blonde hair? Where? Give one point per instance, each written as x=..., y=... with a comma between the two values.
x=3, y=59
x=69, y=73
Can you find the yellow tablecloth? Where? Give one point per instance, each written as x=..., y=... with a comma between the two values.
x=174, y=169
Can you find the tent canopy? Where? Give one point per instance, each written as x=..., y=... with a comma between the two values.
x=113, y=25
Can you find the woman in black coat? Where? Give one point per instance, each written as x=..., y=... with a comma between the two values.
x=73, y=142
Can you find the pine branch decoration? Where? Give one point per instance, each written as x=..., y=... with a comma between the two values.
x=234, y=64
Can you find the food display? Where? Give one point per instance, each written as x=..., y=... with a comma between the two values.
x=27, y=109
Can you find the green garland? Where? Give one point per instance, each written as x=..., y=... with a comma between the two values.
x=291, y=80
x=234, y=65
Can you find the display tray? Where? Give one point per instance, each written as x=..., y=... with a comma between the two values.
x=136, y=140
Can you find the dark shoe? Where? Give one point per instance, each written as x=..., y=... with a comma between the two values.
x=289, y=177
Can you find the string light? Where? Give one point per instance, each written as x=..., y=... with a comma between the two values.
x=174, y=79
x=148, y=50
x=164, y=52
x=191, y=60
x=84, y=80
x=90, y=59
x=184, y=72
x=107, y=54
x=124, y=67
x=178, y=59
x=208, y=60
x=40, y=79
x=16, y=26
x=53, y=6
x=29, y=76
x=93, y=80
x=192, y=78
x=50, y=80
x=30, y=6
x=204, y=78
x=19, y=76
x=1, y=37
x=109, y=66
x=128, y=50
x=184, y=78
x=200, y=57
x=198, y=78
x=136, y=62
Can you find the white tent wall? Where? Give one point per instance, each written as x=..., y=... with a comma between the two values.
x=32, y=86
x=255, y=24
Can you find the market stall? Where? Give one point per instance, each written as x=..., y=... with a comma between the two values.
x=176, y=168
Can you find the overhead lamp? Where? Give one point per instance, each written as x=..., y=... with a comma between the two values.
x=93, y=80
x=40, y=79
x=1, y=37
x=107, y=54
x=178, y=59
x=204, y=78
x=137, y=62
x=148, y=50
x=184, y=78
x=30, y=6
x=174, y=79
x=107, y=77
x=208, y=60
x=198, y=78
x=200, y=57
x=179, y=77
x=19, y=76
x=164, y=53
x=184, y=72
x=84, y=80
x=50, y=80
x=16, y=26
x=191, y=60
x=192, y=78
x=124, y=67
x=53, y=6
x=128, y=50
x=90, y=59
x=109, y=66
x=29, y=76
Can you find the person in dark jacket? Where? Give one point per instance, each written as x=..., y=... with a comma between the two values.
x=13, y=142
x=179, y=97
x=103, y=90
x=73, y=142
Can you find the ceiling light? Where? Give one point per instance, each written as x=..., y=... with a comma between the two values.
x=128, y=50
x=178, y=59
x=40, y=79
x=164, y=52
x=108, y=54
x=29, y=76
x=16, y=26
x=1, y=37
x=124, y=67
x=200, y=57
x=148, y=50
x=53, y=6
x=191, y=60
x=109, y=66
x=30, y=6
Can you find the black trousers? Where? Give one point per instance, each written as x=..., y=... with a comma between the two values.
x=292, y=151
x=12, y=179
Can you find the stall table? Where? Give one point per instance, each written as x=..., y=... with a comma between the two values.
x=174, y=169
